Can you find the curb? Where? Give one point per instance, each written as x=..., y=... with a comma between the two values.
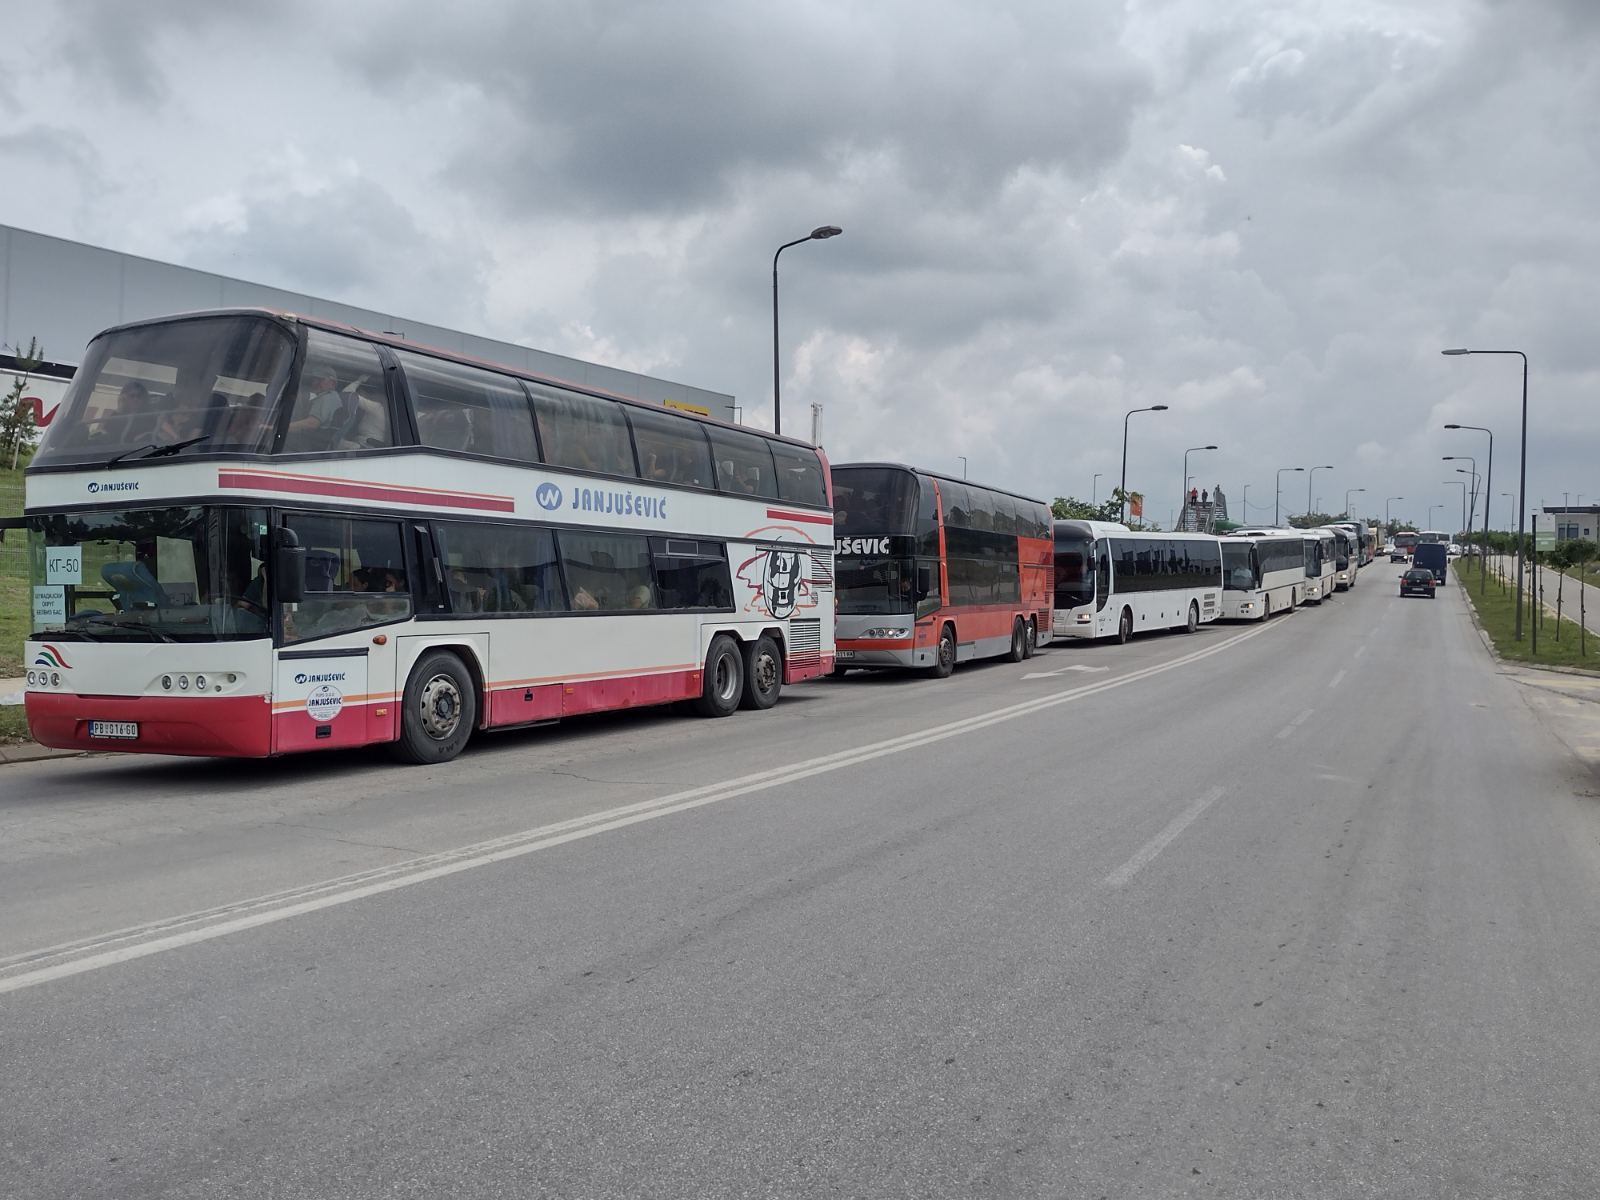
x=23, y=752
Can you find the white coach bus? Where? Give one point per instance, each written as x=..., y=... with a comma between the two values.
x=252, y=533
x=1319, y=565
x=1346, y=556
x=1113, y=582
x=1263, y=572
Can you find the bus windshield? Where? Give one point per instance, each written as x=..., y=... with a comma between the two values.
x=1074, y=568
x=1238, y=563
x=195, y=386
x=877, y=585
x=183, y=574
x=873, y=500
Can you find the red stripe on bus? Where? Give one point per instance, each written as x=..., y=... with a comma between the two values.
x=783, y=514
x=311, y=486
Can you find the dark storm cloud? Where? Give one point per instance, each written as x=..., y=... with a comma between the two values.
x=660, y=108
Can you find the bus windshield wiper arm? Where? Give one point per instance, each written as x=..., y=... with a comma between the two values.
x=156, y=450
x=174, y=447
x=137, y=627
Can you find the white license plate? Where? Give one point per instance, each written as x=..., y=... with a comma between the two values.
x=114, y=729
x=844, y=654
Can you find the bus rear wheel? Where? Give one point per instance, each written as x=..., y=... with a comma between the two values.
x=1125, y=626
x=438, y=711
x=1031, y=646
x=763, y=673
x=1019, y=642
x=945, y=662
x=723, y=682
x=1194, y=618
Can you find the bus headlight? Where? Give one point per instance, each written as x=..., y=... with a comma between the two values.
x=1083, y=618
x=55, y=678
x=887, y=631
x=166, y=683
x=183, y=683
x=200, y=682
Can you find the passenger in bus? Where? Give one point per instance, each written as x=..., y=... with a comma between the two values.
x=321, y=401
x=640, y=597
x=116, y=423
x=583, y=599
x=369, y=426
x=241, y=426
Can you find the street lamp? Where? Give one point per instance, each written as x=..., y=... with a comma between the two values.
x=1183, y=499
x=1094, y=488
x=1311, y=479
x=1388, y=526
x=1472, y=510
x=963, y=459
x=1244, y=505
x=820, y=233
x=1522, y=486
x=1348, y=492
x=1277, y=494
x=1488, y=483
x=1463, y=486
x=1431, y=507
x=1124, y=487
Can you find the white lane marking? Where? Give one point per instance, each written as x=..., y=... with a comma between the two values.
x=1162, y=840
x=141, y=941
x=1336, y=680
x=1360, y=650
x=1294, y=724
x=1062, y=670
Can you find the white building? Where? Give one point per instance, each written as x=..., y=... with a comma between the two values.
x=63, y=293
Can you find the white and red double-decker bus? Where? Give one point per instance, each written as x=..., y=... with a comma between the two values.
x=933, y=571
x=252, y=533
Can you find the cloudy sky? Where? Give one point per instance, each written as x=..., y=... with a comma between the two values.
x=1270, y=216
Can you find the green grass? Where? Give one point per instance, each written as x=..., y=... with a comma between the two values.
x=15, y=615
x=13, y=725
x=1496, y=609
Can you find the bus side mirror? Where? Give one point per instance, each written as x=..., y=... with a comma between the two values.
x=289, y=567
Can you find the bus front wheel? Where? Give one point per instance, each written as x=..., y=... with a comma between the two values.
x=946, y=660
x=723, y=682
x=438, y=712
x=763, y=673
x=1125, y=626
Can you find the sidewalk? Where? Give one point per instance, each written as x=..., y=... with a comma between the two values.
x=1551, y=580
x=11, y=690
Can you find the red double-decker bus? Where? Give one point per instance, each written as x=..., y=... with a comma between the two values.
x=931, y=571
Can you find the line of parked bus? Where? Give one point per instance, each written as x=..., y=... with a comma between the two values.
x=252, y=533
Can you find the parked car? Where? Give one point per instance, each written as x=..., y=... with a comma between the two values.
x=1419, y=581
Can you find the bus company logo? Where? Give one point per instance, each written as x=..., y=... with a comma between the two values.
x=113, y=485
x=777, y=582
x=617, y=504
x=861, y=545
x=324, y=703
x=548, y=496
x=326, y=677
x=50, y=656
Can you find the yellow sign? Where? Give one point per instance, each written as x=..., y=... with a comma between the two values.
x=685, y=406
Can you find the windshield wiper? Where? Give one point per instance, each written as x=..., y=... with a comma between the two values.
x=156, y=450
x=98, y=619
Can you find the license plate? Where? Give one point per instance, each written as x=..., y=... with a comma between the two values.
x=844, y=654
x=114, y=729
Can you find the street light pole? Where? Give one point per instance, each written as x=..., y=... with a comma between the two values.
x=1463, y=485
x=1388, y=525
x=1277, y=494
x=1488, y=484
x=820, y=233
x=1475, y=477
x=1244, y=504
x=1184, y=496
x=1522, y=486
x=1094, y=488
x=1124, y=487
x=1348, y=492
x=1311, y=480
x=963, y=459
x=1431, y=507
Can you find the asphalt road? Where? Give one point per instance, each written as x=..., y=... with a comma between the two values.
x=1302, y=909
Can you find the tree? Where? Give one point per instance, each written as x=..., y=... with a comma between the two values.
x=17, y=429
x=1070, y=508
x=1311, y=520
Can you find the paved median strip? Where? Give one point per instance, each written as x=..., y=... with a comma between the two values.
x=32, y=968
